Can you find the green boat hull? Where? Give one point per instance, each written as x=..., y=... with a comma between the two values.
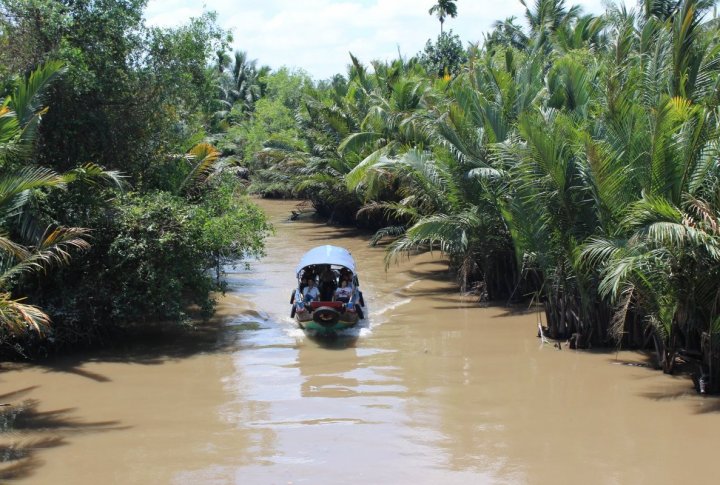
x=319, y=329
x=306, y=322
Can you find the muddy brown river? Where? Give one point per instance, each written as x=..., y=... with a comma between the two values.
x=433, y=389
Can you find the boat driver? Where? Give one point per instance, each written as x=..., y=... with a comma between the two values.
x=310, y=292
x=327, y=282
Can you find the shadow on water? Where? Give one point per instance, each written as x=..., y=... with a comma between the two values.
x=711, y=405
x=330, y=233
x=333, y=341
x=684, y=375
x=154, y=347
x=74, y=368
x=706, y=404
x=514, y=310
x=30, y=431
x=441, y=276
x=458, y=306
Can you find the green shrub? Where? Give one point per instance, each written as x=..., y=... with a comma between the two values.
x=150, y=261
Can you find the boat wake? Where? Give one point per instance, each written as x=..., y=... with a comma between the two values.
x=383, y=311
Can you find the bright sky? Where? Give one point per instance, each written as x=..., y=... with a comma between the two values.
x=316, y=35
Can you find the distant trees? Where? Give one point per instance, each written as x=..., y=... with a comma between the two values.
x=443, y=9
x=241, y=84
x=444, y=57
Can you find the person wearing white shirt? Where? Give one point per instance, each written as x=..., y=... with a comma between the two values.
x=344, y=292
x=310, y=292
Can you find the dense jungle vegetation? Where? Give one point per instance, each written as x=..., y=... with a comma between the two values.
x=573, y=160
x=115, y=208
x=569, y=158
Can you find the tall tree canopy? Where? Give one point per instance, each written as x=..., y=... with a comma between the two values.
x=442, y=10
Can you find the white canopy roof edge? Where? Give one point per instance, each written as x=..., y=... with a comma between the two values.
x=326, y=255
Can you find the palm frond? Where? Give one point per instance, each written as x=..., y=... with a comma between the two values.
x=390, y=232
x=26, y=100
x=18, y=318
x=53, y=249
x=356, y=176
x=93, y=174
x=358, y=141
x=15, y=188
x=203, y=158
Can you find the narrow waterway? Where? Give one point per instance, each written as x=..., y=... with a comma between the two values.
x=434, y=389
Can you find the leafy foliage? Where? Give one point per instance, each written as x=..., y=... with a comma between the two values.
x=445, y=57
x=574, y=160
x=111, y=92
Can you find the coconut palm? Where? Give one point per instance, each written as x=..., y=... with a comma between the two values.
x=584, y=31
x=665, y=244
x=442, y=10
x=662, y=9
x=449, y=199
x=586, y=150
x=51, y=248
x=203, y=162
x=439, y=208
x=240, y=83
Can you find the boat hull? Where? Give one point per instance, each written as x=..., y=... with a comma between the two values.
x=314, y=321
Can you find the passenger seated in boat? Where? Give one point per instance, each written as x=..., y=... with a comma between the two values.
x=327, y=283
x=308, y=274
x=344, y=292
x=310, y=292
x=346, y=276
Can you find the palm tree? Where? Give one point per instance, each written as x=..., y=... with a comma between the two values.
x=20, y=115
x=16, y=259
x=506, y=33
x=662, y=9
x=547, y=16
x=443, y=9
x=388, y=128
x=203, y=163
x=441, y=208
x=657, y=183
x=240, y=83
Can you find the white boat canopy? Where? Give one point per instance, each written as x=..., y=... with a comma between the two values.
x=326, y=255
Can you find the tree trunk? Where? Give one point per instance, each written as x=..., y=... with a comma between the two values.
x=665, y=352
x=218, y=268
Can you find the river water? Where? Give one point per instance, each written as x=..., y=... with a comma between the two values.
x=434, y=389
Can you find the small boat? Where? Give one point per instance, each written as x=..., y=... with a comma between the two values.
x=333, y=301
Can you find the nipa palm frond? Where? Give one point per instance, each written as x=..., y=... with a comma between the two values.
x=53, y=249
x=203, y=156
x=15, y=188
x=93, y=174
x=17, y=317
